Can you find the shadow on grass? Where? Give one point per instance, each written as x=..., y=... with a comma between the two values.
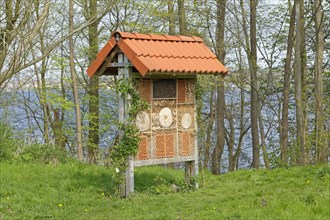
x=153, y=176
x=101, y=180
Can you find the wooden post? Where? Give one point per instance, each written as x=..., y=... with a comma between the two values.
x=123, y=106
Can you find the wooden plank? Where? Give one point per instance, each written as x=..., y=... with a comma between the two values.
x=139, y=163
x=123, y=64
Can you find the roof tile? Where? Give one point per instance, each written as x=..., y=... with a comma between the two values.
x=143, y=36
x=172, y=38
x=158, y=37
x=186, y=38
x=125, y=35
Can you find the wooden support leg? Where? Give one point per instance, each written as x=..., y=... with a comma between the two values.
x=191, y=170
x=130, y=176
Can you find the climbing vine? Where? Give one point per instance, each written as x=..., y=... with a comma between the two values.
x=129, y=132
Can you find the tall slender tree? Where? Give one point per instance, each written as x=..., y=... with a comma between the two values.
x=75, y=85
x=320, y=143
x=209, y=129
x=93, y=87
x=286, y=89
x=182, y=17
x=218, y=150
x=299, y=83
x=254, y=85
x=171, y=17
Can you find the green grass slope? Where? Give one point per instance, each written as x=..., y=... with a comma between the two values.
x=80, y=191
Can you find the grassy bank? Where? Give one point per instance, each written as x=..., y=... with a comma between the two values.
x=80, y=191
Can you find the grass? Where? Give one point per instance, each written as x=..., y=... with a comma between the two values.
x=81, y=191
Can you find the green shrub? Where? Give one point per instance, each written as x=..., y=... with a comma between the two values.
x=8, y=143
x=323, y=171
x=43, y=153
x=12, y=149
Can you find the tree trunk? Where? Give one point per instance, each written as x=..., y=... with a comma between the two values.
x=230, y=142
x=320, y=143
x=286, y=91
x=209, y=131
x=75, y=85
x=306, y=153
x=298, y=84
x=171, y=18
x=93, y=89
x=218, y=150
x=254, y=85
x=182, y=17
x=263, y=141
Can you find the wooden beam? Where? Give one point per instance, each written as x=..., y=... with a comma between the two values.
x=140, y=163
x=124, y=64
x=107, y=60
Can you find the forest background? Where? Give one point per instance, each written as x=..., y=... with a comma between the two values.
x=271, y=110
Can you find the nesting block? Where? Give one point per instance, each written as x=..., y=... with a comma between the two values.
x=143, y=151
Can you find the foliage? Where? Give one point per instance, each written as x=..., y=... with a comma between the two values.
x=8, y=143
x=82, y=191
x=12, y=149
x=43, y=153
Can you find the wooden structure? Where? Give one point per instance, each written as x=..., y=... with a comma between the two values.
x=165, y=69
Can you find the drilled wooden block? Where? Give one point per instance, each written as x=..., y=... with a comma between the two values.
x=185, y=144
x=182, y=90
x=190, y=91
x=145, y=90
x=183, y=120
x=143, y=148
x=160, y=146
x=169, y=143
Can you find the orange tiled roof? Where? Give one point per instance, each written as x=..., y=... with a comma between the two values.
x=150, y=53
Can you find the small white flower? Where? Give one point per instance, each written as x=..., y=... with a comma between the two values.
x=117, y=170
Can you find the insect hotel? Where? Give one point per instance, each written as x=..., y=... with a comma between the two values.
x=165, y=69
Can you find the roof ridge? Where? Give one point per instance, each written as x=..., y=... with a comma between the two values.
x=178, y=56
x=157, y=37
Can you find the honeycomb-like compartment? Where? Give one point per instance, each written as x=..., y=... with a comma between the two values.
x=182, y=91
x=143, y=148
x=160, y=146
x=145, y=89
x=185, y=144
x=169, y=144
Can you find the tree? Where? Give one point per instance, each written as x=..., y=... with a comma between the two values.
x=298, y=82
x=251, y=51
x=171, y=17
x=93, y=86
x=209, y=129
x=220, y=106
x=182, y=17
x=254, y=84
x=284, y=134
x=15, y=39
x=18, y=36
x=320, y=143
x=75, y=85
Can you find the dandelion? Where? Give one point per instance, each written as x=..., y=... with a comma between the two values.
x=60, y=205
x=117, y=170
x=102, y=194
